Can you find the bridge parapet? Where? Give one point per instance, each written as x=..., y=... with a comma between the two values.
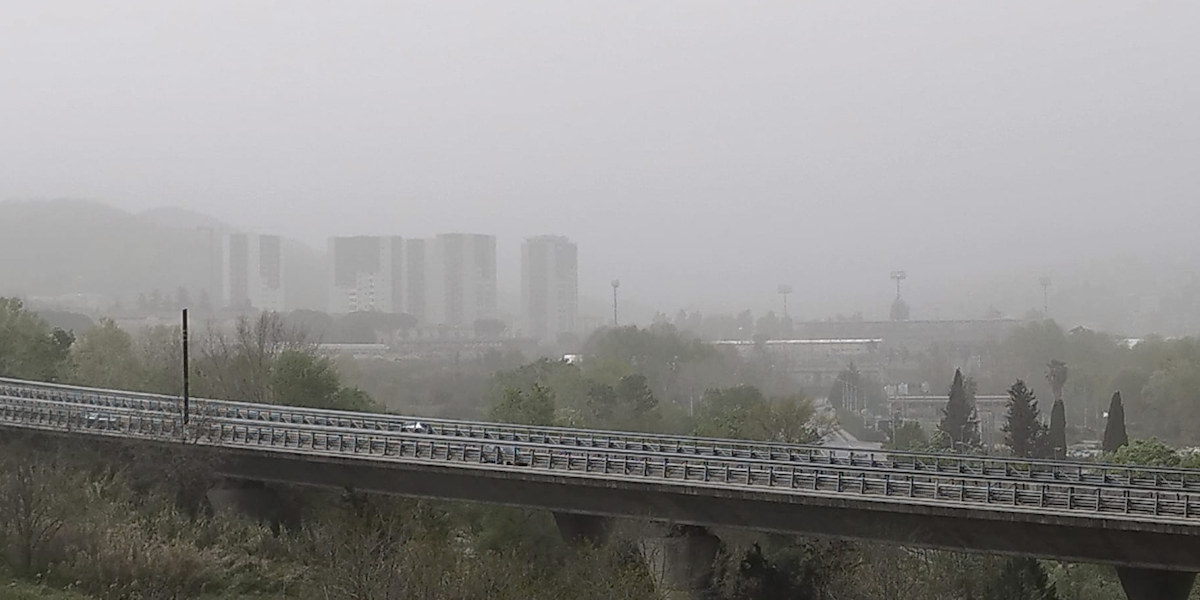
x=1036, y=471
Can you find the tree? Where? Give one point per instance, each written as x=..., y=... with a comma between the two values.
x=742, y=412
x=301, y=379
x=535, y=407
x=239, y=367
x=908, y=435
x=1114, y=430
x=853, y=391
x=637, y=400
x=1057, y=440
x=1170, y=406
x=29, y=349
x=1056, y=374
x=737, y=412
x=628, y=406
x=1153, y=453
x=105, y=357
x=960, y=422
x=1020, y=579
x=160, y=355
x=1022, y=429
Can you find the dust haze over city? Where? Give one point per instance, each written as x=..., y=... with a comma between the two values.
x=704, y=152
x=880, y=228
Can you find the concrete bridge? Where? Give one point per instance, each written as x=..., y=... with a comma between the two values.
x=1144, y=521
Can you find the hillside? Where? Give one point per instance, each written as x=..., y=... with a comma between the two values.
x=51, y=248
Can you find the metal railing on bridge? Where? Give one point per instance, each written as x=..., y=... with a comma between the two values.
x=717, y=473
x=1090, y=473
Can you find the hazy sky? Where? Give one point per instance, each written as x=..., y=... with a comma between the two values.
x=701, y=151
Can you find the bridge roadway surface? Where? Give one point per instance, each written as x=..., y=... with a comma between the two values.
x=1135, y=518
x=1144, y=521
x=1027, y=469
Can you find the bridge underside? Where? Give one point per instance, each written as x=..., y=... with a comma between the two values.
x=1055, y=536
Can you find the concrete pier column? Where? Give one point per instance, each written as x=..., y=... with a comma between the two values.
x=577, y=529
x=1151, y=584
x=681, y=561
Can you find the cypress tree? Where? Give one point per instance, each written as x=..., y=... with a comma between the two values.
x=960, y=424
x=1022, y=428
x=1058, y=430
x=1114, y=431
x=1056, y=444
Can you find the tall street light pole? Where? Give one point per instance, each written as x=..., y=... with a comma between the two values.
x=898, y=276
x=616, y=283
x=784, y=289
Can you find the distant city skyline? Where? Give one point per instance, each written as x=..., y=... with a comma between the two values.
x=252, y=268
x=549, y=287
x=449, y=279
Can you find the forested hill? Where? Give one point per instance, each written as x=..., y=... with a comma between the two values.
x=50, y=248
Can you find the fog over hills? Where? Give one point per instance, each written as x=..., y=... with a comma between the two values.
x=701, y=151
x=55, y=247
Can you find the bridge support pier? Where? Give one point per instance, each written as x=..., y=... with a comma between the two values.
x=1152, y=584
x=577, y=529
x=681, y=561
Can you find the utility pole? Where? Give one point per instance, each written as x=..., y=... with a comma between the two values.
x=616, y=283
x=186, y=407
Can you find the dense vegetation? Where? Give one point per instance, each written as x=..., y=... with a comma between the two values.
x=78, y=521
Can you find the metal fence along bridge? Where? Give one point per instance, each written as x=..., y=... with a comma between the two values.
x=1144, y=520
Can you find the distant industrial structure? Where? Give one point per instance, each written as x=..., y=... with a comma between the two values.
x=965, y=334
x=814, y=362
x=252, y=272
x=549, y=287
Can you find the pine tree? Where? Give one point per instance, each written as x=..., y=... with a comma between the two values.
x=1114, y=431
x=1057, y=442
x=960, y=423
x=1022, y=428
